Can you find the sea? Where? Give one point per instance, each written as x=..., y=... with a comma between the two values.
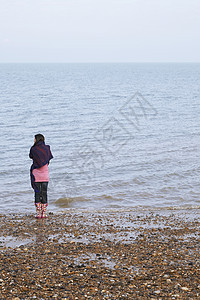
x=123, y=135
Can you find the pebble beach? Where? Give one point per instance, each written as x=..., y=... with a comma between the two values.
x=101, y=255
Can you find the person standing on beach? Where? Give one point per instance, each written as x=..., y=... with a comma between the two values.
x=41, y=154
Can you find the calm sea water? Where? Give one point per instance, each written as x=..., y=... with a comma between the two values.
x=122, y=135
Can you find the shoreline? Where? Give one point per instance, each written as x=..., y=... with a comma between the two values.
x=57, y=210
x=127, y=254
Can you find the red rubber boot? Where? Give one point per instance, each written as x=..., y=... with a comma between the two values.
x=44, y=210
x=38, y=210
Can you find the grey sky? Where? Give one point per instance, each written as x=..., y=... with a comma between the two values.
x=99, y=31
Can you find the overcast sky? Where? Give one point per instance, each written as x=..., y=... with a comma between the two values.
x=99, y=30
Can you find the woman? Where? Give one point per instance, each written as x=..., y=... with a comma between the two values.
x=41, y=155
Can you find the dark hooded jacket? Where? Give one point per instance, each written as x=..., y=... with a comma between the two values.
x=41, y=155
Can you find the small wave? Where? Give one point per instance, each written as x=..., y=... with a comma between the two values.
x=111, y=199
x=139, y=180
x=168, y=189
x=68, y=201
x=107, y=197
x=175, y=174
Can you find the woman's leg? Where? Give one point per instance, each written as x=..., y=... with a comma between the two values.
x=44, y=202
x=38, y=199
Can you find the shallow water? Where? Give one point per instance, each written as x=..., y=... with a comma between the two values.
x=112, y=148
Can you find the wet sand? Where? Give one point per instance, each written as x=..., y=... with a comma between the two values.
x=101, y=255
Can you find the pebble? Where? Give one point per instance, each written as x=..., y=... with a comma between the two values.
x=185, y=288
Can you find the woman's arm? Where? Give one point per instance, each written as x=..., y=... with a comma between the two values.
x=30, y=154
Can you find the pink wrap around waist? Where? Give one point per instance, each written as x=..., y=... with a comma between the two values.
x=41, y=174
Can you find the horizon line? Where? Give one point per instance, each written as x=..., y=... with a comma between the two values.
x=106, y=62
